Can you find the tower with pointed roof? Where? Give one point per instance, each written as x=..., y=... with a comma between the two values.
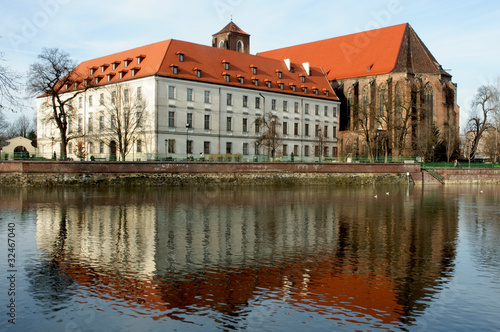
x=231, y=37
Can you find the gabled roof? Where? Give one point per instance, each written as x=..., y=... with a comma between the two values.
x=161, y=58
x=366, y=53
x=231, y=27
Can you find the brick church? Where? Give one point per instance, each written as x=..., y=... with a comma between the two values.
x=396, y=99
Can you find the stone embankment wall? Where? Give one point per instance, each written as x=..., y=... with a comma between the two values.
x=200, y=173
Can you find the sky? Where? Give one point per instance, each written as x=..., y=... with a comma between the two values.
x=462, y=35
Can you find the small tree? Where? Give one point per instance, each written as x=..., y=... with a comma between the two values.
x=55, y=78
x=9, y=85
x=80, y=151
x=270, y=137
x=124, y=115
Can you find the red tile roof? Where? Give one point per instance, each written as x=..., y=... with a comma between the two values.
x=361, y=54
x=159, y=59
x=231, y=27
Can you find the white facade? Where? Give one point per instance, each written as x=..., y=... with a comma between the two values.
x=222, y=122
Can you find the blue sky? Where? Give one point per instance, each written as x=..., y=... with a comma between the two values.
x=462, y=35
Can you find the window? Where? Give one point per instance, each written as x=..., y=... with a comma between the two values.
x=198, y=73
x=175, y=70
x=171, y=119
x=334, y=131
x=296, y=128
x=80, y=102
x=296, y=107
x=268, y=83
x=171, y=92
x=306, y=109
x=257, y=102
x=112, y=122
x=285, y=106
x=285, y=128
x=80, y=125
x=325, y=112
x=306, y=150
x=316, y=109
x=101, y=147
x=101, y=122
x=256, y=82
x=226, y=65
x=229, y=99
x=273, y=104
x=280, y=74
x=382, y=101
x=101, y=99
x=254, y=70
x=189, y=120
x=316, y=150
x=334, y=111
x=245, y=125
x=296, y=149
x=91, y=147
x=325, y=131
x=189, y=148
x=90, y=101
x=189, y=94
x=206, y=148
x=245, y=101
x=257, y=147
x=229, y=123
x=113, y=97
x=139, y=146
x=285, y=149
x=325, y=151
x=207, y=97
x=245, y=148
x=125, y=95
x=257, y=127
x=239, y=46
x=242, y=80
x=317, y=131
x=303, y=78
x=207, y=122
x=227, y=78
x=90, y=124
x=181, y=57
x=138, y=119
x=139, y=93
x=229, y=147
x=170, y=145
x=306, y=129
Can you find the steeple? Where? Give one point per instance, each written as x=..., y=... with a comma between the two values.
x=231, y=37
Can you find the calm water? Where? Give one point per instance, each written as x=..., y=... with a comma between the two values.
x=254, y=259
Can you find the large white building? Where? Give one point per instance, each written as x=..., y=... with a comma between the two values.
x=195, y=99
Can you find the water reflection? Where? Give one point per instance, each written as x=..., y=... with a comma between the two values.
x=236, y=256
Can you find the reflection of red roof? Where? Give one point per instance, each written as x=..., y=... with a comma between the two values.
x=201, y=63
x=360, y=54
x=326, y=291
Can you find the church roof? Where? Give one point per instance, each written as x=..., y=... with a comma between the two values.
x=392, y=49
x=231, y=27
x=202, y=63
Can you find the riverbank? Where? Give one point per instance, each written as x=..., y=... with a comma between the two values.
x=51, y=173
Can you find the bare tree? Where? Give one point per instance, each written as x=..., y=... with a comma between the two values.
x=270, y=137
x=22, y=126
x=56, y=79
x=484, y=105
x=9, y=85
x=124, y=115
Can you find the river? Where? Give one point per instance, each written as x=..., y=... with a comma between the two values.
x=298, y=258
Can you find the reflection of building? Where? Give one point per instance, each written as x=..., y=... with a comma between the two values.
x=192, y=249
x=384, y=78
x=198, y=99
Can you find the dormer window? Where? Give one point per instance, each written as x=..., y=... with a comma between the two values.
x=316, y=92
x=304, y=88
x=292, y=86
x=175, y=69
x=327, y=93
x=140, y=58
x=303, y=78
x=115, y=64
x=103, y=67
x=126, y=62
x=282, y=86
x=76, y=85
x=255, y=81
x=227, y=78
x=242, y=79
x=197, y=72
x=92, y=70
x=122, y=73
x=181, y=56
x=279, y=73
x=110, y=76
x=135, y=70
x=86, y=82
x=66, y=86
x=226, y=64
x=254, y=69
x=268, y=83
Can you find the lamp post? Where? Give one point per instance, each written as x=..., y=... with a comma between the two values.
x=187, y=132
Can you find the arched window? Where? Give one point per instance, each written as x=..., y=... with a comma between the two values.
x=429, y=102
x=365, y=100
x=382, y=100
x=222, y=44
x=239, y=46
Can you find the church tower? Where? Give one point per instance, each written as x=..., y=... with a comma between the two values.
x=231, y=37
